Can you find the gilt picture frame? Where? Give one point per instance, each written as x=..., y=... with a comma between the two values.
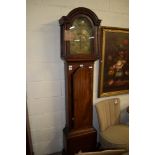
x=114, y=61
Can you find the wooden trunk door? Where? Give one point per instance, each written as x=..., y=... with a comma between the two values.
x=82, y=79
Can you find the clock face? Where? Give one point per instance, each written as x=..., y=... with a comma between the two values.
x=80, y=37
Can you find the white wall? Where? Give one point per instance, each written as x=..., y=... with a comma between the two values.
x=45, y=69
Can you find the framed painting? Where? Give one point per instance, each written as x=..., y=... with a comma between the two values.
x=114, y=61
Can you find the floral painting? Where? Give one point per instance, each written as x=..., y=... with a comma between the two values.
x=114, y=62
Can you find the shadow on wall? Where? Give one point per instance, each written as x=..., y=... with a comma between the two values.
x=124, y=116
x=50, y=34
x=95, y=121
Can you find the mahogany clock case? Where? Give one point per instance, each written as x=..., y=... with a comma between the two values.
x=80, y=43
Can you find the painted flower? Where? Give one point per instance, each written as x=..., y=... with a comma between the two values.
x=125, y=41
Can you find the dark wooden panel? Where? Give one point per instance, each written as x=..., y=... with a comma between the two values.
x=84, y=140
x=82, y=95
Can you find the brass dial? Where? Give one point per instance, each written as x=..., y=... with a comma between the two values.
x=80, y=36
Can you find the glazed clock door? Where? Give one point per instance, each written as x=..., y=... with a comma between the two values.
x=82, y=97
x=80, y=37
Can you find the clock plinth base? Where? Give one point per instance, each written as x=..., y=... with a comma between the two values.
x=79, y=140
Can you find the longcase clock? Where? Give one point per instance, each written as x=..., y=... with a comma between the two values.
x=79, y=48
